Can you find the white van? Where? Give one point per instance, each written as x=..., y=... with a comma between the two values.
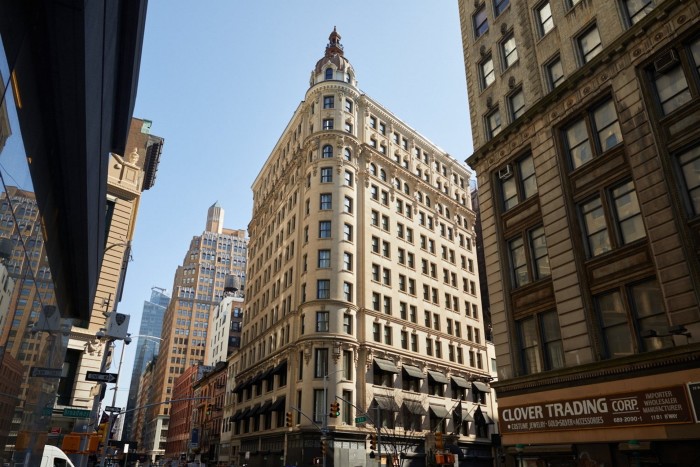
x=54, y=457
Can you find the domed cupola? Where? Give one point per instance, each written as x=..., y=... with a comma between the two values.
x=333, y=65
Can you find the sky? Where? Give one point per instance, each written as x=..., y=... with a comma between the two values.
x=220, y=80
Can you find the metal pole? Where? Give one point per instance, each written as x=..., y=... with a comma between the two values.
x=379, y=437
x=111, y=415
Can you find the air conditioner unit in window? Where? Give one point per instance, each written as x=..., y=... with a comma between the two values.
x=666, y=61
x=505, y=172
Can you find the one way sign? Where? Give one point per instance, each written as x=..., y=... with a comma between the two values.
x=101, y=377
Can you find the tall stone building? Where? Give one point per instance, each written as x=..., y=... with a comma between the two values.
x=146, y=349
x=28, y=265
x=198, y=288
x=586, y=144
x=362, y=290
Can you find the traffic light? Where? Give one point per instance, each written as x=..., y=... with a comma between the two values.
x=335, y=410
x=372, y=441
x=324, y=447
x=439, y=443
x=290, y=423
x=102, y=432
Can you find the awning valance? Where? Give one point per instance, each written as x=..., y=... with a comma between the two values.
x=460, y=382
x=415, y=407
x=413, y=371
x=479, y=386
x=439, y=410
x=386, y=403
x=437, y=377
x=278, y=405
x=386, y=365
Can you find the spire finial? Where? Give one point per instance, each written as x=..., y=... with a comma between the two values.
x=334, y=46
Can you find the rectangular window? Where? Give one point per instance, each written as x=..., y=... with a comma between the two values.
x=671, y=88
x=689, y=162
x=376, y=298
x=493, y=124
x=509, y=51
x=633, y=325
x=372, y=122
x=347, y=323
x=593, y=134
x=499, y=6
x=326, y=202
x=377, y=332
x=414, y=343
x=375, y=244
x=387, y=335
x=324, y=229
x=638, y=9
x=349, y=178
x=518, y=181
x=348, y=105
x=347, y=291
x=319, y=407
x=518, y=262
x=595, y=226
x=321, y=366
x=487, y=72
x=323, y=289
x=327, y=123
x=517, y=104
x=387, y=305
x=481, y=24
x=544, y=18
x=328, y=102
x=322, y=321
x=542, y=328
x=589, y=44
x=347, y=261
x=347, y=205
x=324, y=259
x=555, y=72
x=404, y=340
x=347, y=232
x=627, y=212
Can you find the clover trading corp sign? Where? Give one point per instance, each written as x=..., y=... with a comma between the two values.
x=653, y=407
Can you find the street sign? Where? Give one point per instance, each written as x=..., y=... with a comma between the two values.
x=47, y=411
x=38, y=372
x=101, y=377
x=109, y=408
x=76, y=413
x=360, y=419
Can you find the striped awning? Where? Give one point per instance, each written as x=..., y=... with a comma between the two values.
x=437, y=377
x=386, y=403
x=479, y=386
x=439, y=410
x=460, y=382
x=415, y=407
x=386, y=365
x=413, y=371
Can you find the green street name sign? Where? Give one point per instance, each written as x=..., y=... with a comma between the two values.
x=76, y=413
x=360, y=419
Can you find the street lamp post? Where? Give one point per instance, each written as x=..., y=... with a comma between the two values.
x=324, y=429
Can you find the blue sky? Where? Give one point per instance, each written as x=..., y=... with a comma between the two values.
x=221, y=79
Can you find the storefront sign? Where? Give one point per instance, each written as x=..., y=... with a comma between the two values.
x=653, y=407
x=694, y=390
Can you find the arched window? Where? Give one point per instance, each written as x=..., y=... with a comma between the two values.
x=438, y=206
x=373, y=170
x=382, y=175
x=419, y=196
x=427, y=200
x=327, y=152
x=447, y=212
x=406, y=189
x=329, y=73
x=397, y=183
x=348, y=154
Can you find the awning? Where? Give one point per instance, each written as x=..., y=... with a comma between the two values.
x=265, y=407
x=439, y=410
x=413, y=371
x=278, y=405
x=487, y=419
x=256, y=379
x=460, y=382
x=479, y=386
x=466, y=416
x=255, y=410
x=386, y=403
x=386, y=365
x=266, y=373
x=278, y=369
x=437, y=377
x=246, y=413
x=238, y=387
x=415, y=407
x=237, y=415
